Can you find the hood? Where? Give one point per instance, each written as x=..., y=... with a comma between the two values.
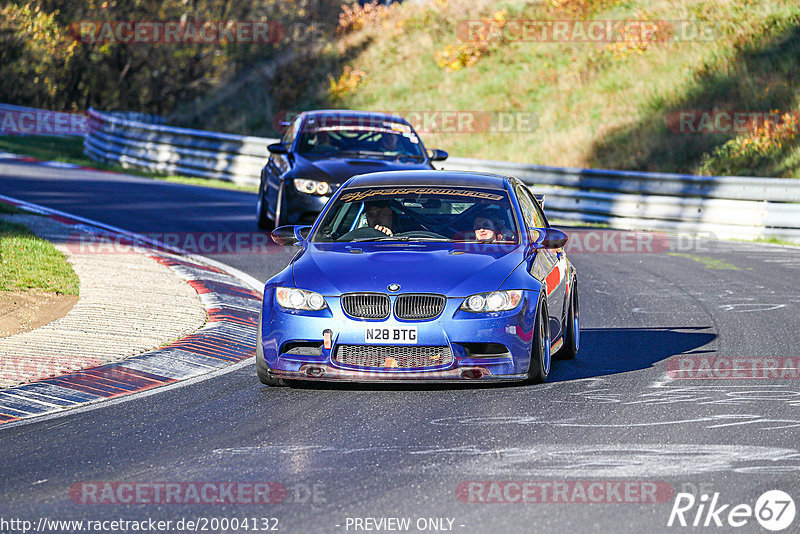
x=339, y=170
x=332, y=269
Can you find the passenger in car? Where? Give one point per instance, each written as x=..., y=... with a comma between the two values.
x=488, y=227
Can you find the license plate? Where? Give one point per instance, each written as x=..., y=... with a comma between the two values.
x=391, y=335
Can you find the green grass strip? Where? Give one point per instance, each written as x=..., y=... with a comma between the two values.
x=30, y=262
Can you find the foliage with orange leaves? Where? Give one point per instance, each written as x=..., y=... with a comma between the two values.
x=745, y=154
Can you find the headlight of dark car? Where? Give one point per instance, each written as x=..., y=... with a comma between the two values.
x=311, y=187
x=492, y=302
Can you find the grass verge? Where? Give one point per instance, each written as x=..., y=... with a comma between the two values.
x=70, y=150
x=30, y=262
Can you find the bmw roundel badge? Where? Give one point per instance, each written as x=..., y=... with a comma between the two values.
x=393, y=287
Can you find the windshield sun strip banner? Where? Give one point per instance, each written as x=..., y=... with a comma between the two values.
x=371, y=129
x=397, y=191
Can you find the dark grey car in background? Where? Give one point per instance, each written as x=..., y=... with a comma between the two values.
x=321, y=149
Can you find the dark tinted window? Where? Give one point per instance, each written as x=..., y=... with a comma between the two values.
x=350, y=142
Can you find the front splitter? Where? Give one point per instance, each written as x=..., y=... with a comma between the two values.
x=329, y=373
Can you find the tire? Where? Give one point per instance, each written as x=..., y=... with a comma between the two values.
x=266, y=378
x=572, y=340
x=261, y=213
x=540, y=352
x=262, y=369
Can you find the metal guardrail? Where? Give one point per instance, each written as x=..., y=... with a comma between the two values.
x=728, y=207
x=155, y=147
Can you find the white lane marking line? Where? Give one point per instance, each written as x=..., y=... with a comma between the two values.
x=753, y=307
x=60, y=165
x=11, y=393
x=102, y=401
x=558, y=459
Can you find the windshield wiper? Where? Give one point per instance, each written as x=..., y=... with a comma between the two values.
x=384, y=238
x=399, y=238
x=363, y=153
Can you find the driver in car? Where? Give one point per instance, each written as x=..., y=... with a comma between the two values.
x=380, y=216
x=388, y=144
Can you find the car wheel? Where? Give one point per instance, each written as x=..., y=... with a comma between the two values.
x=262, y=369
x=266, y=377
x=261, y=212
x=540, y=352
x=572, y=341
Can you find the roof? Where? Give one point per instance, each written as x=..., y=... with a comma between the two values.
x=430, y=177
x=357, y=115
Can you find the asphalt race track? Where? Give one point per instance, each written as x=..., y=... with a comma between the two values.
x=613, y=415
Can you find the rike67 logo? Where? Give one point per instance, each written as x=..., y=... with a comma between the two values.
x=774, y=510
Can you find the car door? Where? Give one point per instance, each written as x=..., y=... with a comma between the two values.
x=278, y=165
x=549, y=265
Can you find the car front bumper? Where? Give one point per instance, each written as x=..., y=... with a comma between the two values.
x=455, y=329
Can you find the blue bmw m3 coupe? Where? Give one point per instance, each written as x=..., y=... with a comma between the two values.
x=421, y=276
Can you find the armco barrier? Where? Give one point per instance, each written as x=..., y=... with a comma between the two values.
x=155, y=147
x=729, y=206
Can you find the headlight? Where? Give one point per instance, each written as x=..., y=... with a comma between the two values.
x=492, y=302
x=312, y=187
x=299, y=299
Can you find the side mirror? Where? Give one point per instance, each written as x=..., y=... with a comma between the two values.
x=437, y=155
x=290, y=235
x=277, y=148
x=549, y=238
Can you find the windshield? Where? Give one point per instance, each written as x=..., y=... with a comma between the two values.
x=447, y=214
x=361, y=142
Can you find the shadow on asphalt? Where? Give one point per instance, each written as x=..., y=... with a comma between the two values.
x=604, y=351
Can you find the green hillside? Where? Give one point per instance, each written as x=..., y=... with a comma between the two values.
x=597, y=104
x=613, y=99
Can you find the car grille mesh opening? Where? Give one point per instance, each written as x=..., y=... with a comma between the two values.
x=366, y=305
x=419, y=306
x=393, y=356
